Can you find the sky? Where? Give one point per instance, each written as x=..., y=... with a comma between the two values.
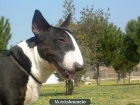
x=20, y=13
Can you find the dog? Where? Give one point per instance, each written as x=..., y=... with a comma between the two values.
x=30, y=63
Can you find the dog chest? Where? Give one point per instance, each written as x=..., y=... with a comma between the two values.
x=33, y=91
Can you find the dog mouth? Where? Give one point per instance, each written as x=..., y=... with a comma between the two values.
x=64, y=73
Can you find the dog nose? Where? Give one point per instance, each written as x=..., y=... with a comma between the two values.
x=78, y=66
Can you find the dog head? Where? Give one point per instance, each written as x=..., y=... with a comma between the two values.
x=57, y=45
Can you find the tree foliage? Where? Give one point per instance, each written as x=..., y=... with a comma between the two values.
x=5, y=34
x=132, y=37
x=128, y=56
x=111, y=43
x=132, y=46
x=92, y=31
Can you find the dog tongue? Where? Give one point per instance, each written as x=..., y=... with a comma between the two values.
x=72, y=75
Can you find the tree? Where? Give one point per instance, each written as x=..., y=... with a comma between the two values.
x=69, y=9
x=132, y=45
x=128, y=56
x=111, y=42
x=117, y=65
x=112, y=47
x=92, y=29
x=133, y=35
x=5, y=34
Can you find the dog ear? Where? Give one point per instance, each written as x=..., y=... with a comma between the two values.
x=66, y=22
x=39, y=24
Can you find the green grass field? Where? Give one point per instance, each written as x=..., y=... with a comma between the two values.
x=106, y=94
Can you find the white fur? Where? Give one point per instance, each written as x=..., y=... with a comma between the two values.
x=41, y=70
x=72, y=56
x=32, y=93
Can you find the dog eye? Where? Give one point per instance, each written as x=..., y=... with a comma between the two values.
x=61, y=40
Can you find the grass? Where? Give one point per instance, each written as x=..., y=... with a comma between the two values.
x=106, y=94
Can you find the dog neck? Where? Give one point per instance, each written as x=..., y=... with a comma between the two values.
x=41, y=69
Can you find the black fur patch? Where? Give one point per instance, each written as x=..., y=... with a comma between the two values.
x=21, y=58
x=54, y=43
x=31, y=42
x=13, y=81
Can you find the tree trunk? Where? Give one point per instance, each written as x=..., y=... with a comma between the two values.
x=98, y=75
x=69, y=87
x=123, y=80
x=118, y=80
x=66, y=87
x=123, y=76
x=129, y=80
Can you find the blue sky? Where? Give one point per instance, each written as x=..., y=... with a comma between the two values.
x=20, y=13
